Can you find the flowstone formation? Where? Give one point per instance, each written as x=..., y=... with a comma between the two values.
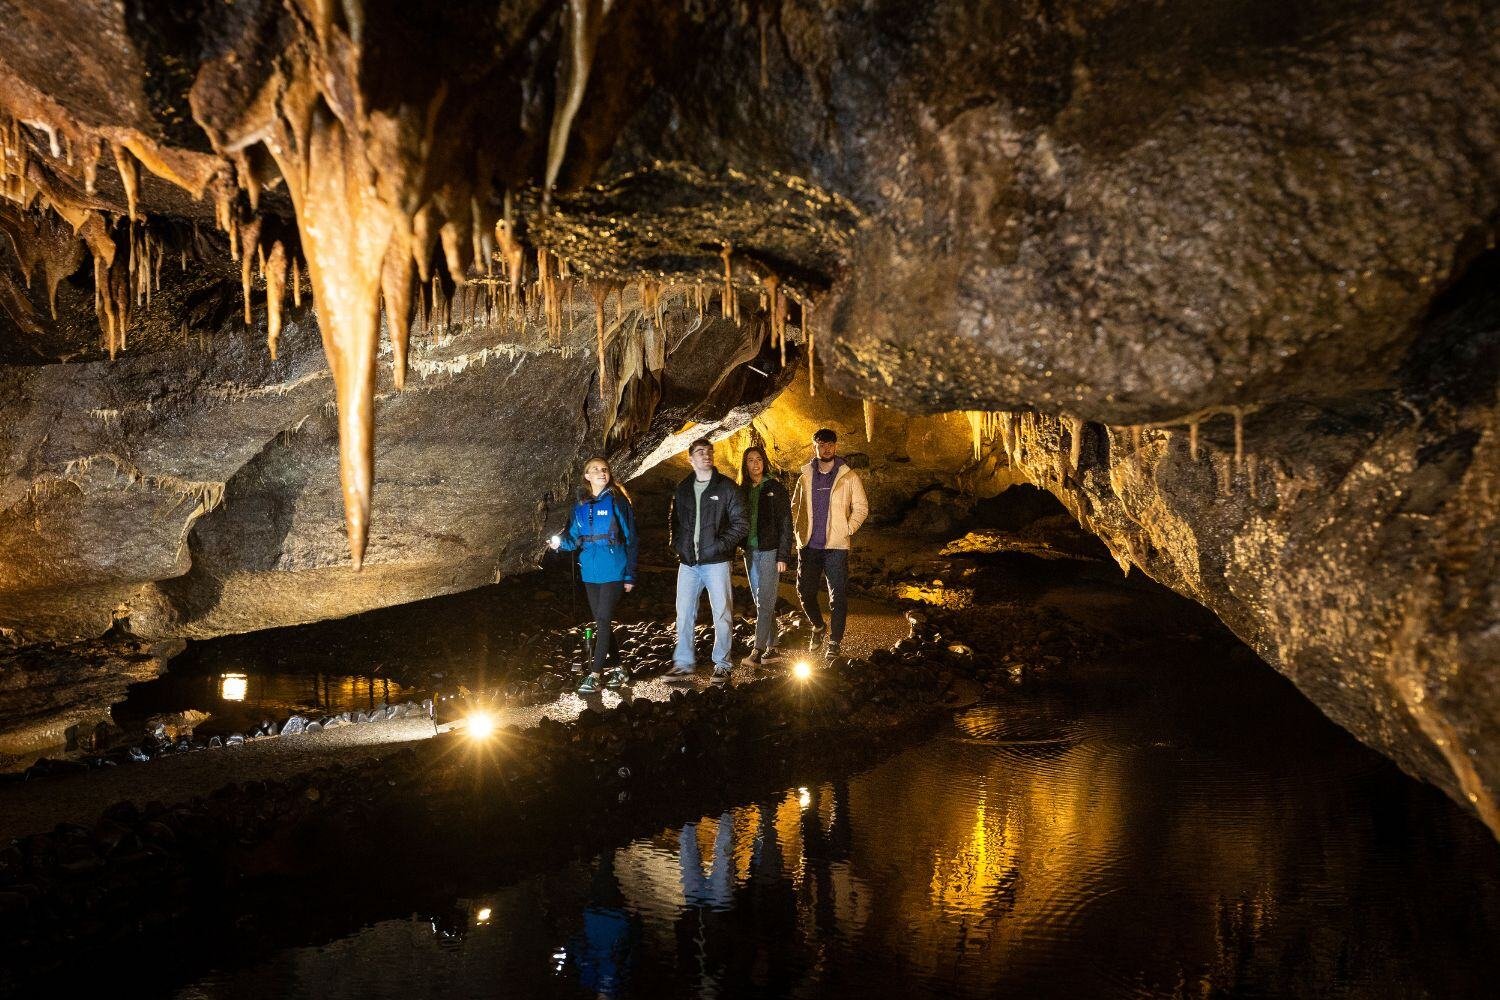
x=1208, y=237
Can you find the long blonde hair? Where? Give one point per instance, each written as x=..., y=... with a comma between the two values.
x=614, y=483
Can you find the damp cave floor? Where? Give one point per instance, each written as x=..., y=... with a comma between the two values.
x=39, y=806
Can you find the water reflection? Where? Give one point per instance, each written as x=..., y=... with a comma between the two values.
x=1108, y=845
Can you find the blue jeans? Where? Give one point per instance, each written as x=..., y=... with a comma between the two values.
x=813, y=567
x=691, y=582
x=760, y=567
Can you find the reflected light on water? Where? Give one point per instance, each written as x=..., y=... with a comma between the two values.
x=232, y=687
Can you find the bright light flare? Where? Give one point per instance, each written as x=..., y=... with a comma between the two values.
x=480, y=725
x=802, y=670
x=804, y=797
x=233, y=687
x=483, y=916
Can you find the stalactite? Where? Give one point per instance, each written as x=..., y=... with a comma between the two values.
x=396, y=278
x=868, y=405
x=296, y=283
x=582, y=21
x=600, y=292
x=456, y=248
x=976, y=431
x=345, y=228
x=512, y=257
x=1135, y=439
x=1193, y=440
x=1075, y=446
x=728, y=304
x=250, y=237
x=130, y=179
x=275, y=289
x=421, y=242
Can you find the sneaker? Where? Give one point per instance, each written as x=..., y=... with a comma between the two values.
x=770, y=655
x=818, y=633
x=681, y=670
x=615, y=679
x=721, y=675
x=590, y=684
x=754, y=659
x=832, y=650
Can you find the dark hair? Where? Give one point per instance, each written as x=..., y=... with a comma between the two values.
x=826, y=434
x=614, y=484
x=745, y=467
x=700, y=442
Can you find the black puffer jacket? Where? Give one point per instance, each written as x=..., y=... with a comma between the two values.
x=773, y=522
x=726, y=521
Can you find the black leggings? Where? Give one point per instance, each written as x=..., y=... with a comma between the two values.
x=602, y=600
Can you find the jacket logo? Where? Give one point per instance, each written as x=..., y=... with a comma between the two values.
x=714, y=497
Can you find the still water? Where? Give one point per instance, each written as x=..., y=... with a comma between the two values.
x=1184, y=827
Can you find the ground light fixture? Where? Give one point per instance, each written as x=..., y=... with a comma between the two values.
x=802, y=670
x=479, y=724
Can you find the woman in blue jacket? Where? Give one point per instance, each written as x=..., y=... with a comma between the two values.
x=602, y=530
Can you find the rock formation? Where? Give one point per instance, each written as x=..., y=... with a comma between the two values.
x=1221, y=277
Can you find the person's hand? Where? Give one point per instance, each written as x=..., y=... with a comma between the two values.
x=780, y=567
x=629, y=587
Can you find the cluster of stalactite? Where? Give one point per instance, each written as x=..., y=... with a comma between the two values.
x=381, y=226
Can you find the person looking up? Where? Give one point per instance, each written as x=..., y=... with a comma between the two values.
x=602, y=530
x=706, y=522
x=828, y=507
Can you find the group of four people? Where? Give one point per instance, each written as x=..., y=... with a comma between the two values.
x=710, y=517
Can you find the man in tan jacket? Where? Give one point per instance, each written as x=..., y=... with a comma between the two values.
x=828, y=506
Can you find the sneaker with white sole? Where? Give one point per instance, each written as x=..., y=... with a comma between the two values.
x=816, y=639
x=832, y=650
x=590, y=684
x=616, y=679
x=681, y=670
x=721, y=675
x=770, y=655
x=754, y=659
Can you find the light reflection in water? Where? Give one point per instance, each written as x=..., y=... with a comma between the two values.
x=1028, y=852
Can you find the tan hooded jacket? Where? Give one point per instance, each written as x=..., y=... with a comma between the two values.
x=847, y=507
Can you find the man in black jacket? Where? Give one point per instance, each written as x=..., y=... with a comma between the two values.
x=707, y=521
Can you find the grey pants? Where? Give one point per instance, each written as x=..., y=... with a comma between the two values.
x=760, y=567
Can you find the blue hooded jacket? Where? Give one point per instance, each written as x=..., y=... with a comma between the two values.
x=603, y=530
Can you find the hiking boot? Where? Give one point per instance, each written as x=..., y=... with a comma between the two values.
x=590, y=684
x=832, y=651
x=721, y=676
x=681, y=670
x=754, y=659
x=770, y=655
x=616, y=679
